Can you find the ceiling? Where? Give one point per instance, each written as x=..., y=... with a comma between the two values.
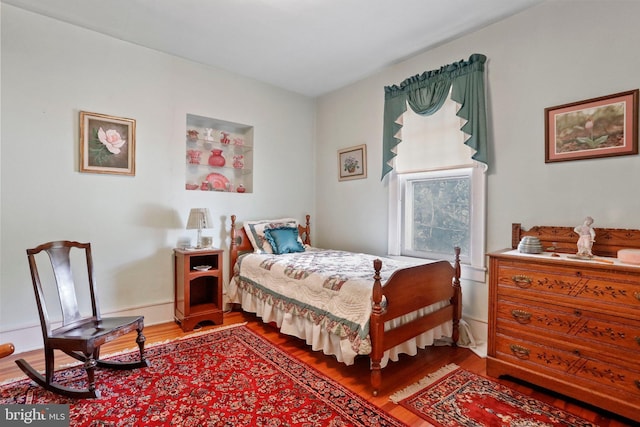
x=307, y=46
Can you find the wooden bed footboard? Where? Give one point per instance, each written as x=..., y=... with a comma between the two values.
x=408, y=290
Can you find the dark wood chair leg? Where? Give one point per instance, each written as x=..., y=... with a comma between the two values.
x=141, y=340
x=90, y=366
x=142, y=363
x=49, y=364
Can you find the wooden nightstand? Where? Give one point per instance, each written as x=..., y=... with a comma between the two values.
x=198, y=291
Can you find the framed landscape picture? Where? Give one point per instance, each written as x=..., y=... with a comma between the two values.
x=598, y=127
x=107, y=144
x=352, y=163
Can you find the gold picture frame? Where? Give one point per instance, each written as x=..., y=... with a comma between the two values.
x=107, y=144
x=352, y=163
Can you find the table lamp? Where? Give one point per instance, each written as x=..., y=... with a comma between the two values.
x=198, y=219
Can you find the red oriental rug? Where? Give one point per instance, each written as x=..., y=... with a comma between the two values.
x=456, y=397
x=226, y=377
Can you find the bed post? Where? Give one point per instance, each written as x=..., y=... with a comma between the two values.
x=376, y=330
x=307, y=238
x=456, y=299
x=233, y=246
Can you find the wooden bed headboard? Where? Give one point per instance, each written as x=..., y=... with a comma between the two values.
x=564, y=239
x=240, y=242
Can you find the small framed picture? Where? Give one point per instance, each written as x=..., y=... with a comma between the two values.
x=352, y=163
x=598, y=127
x=107, y=144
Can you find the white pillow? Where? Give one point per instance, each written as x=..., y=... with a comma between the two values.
x=255, y=232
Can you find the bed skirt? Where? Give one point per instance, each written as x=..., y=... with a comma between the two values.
x=330, y=344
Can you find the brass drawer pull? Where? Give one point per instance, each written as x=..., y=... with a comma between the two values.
x=637, y=383
x=521, y=316
x=638, y=340
x=637, y=295
x=524, y=281
x=519, y=351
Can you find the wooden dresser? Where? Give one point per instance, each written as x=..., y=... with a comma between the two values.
x=568, y=325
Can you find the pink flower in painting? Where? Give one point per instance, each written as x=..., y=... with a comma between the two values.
x=588, y=125
x=111, y=139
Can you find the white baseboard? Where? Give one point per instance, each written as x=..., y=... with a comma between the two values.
x=30, y=337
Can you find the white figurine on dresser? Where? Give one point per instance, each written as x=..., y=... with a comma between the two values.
x=587, y=237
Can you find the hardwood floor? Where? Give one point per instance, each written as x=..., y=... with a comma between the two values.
x=356, y=377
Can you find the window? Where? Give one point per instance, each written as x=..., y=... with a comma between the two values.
x=437, y=193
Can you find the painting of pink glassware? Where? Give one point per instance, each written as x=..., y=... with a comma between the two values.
x=238, y=141
x=224, y=139
x=238, y=161
x=194, y=156
x=240, y=189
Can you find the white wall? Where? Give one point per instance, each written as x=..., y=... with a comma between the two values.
x=555, y=53
x=50, y=72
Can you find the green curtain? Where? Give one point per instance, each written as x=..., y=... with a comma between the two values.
x=426, y=93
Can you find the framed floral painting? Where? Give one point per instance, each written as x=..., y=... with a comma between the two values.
x=107, y=144
x=352, y=163
x=598, y=127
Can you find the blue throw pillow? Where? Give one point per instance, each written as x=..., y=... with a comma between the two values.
x=283, y=240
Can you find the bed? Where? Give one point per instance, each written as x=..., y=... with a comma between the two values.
x=344, y=304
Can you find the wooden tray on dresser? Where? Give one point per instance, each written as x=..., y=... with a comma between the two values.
x=569, y=325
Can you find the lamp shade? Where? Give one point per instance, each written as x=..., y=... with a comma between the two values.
x=199, y=218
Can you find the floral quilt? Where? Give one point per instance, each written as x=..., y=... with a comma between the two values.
x=329, y=287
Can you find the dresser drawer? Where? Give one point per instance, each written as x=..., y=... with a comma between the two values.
x=619, y=336
x=574, y=367
x=600, y=289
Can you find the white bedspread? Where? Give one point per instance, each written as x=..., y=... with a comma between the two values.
x=322, y=296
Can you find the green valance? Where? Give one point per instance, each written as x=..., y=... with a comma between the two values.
x=426, y=93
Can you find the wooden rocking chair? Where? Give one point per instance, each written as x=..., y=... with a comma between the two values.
x=79, y=336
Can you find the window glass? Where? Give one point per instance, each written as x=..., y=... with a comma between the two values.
x=437, y=213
